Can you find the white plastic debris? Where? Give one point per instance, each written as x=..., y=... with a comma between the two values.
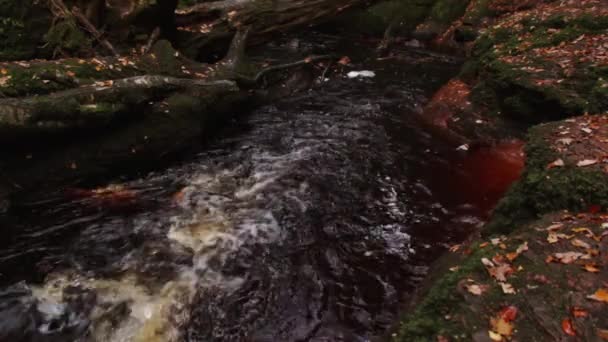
x=362, y=73
x=464, y=147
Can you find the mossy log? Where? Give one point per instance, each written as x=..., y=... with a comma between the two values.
x=207, y=26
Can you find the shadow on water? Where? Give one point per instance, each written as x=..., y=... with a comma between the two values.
x=310, y=220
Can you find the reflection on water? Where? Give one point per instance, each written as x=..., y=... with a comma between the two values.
x=312, y=219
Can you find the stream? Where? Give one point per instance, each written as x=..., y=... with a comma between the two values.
x=310, y=219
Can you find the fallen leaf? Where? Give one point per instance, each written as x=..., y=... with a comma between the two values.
x=586, y=162
x=555, y=226
x=509, y=313
x=486, y=262
x=567, y=327
x=600, y=295
x=476, y=290
x=603, y=334
x=568, y=257
x=4, y=80
x=501, y=326
x=494, y=336
x=520, y=249
x=565, y=141
x=580, y=243
x=507, y=288
x=344, y=60
x=501, y=272
x=556, y=163
x=3, y=71
x=70, y=73
x=591, y=268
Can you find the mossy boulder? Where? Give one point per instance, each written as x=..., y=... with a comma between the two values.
x=550, y=267
x=547, y=185
x=530, y=66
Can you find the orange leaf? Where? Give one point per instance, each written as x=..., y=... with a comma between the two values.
x=603, y=334
x=567, y=327
x=591, y=268
x=600, y=295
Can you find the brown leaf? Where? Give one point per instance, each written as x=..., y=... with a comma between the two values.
x=591, y=268
x=501, y=272
x=580, y=243
x=568, y=257
x=603, y=334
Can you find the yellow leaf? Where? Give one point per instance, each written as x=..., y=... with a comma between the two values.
x=502, y=327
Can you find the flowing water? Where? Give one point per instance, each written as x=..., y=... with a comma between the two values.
x=310, y=219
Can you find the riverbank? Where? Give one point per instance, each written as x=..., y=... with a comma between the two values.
x=537, y=272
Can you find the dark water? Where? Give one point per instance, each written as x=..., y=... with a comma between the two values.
x=310, y=220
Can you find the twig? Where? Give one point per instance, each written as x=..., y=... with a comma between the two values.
x=274, y=68
x=153, y=38
x=325, y=71
x=89, y=27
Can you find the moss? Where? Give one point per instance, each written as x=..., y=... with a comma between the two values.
x=428, y=319
x=446, y=11
x=66, y=36
x=478, y=12
x=40, y=78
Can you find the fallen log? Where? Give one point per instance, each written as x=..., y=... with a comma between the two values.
x=73, y=120
x=207, y=27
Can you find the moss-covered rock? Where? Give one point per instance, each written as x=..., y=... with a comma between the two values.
x=550, y=267
x=546, y=185
x=531, y=68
